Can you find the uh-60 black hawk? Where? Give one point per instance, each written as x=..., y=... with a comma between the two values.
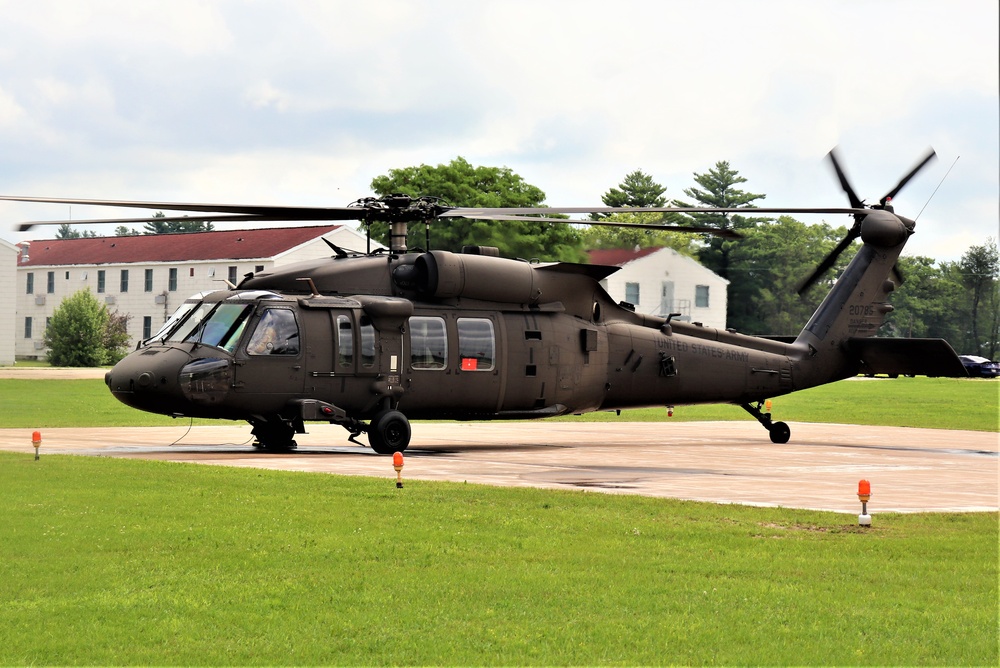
x=372, y=340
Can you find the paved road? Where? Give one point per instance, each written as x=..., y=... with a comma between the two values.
x=727, y=462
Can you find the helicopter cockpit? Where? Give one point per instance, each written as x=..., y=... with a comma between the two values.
x=221, y=324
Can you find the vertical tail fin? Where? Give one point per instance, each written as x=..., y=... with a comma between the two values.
x=859, y=301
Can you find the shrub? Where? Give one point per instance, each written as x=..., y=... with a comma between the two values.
x=82, y=332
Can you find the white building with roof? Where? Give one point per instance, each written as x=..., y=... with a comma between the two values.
x=661, y=281
x=148, y=276
x=8, y=281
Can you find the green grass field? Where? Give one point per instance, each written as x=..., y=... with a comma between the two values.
x=945, y=403
x=114, y=562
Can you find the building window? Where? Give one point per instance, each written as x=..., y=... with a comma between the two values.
x=258, y=268
x=100, y=280
x=67, y=275
x=27, y=327
x=147, y=285
x=123, y=287
x=232, y=275
x=191, y=272
x=701, y=296
x=147, y=327
x=475, y=344
x=172, y=279
x=632, y=293
x=50, y=283
x=29, y=287
x=428, y=343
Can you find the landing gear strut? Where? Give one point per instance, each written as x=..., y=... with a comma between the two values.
x=779, y=431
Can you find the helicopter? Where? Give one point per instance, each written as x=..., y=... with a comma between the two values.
x=370, y=341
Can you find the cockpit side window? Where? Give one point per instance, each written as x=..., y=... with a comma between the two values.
x=276, y=333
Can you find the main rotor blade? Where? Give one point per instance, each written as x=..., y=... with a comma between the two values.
x=290, y=213
x=24, y=227
x=906, y=179
x=719, y=232
x=844, y=183
x=487, y=213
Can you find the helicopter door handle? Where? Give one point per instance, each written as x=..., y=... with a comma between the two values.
x=297, y=367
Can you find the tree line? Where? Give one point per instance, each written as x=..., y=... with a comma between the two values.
x=958, y=301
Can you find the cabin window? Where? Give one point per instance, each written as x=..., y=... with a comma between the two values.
x=701, y=296
x=367, y=331
x=345, y=341
x=632, y=293
x=277, y=333
x=428, y=343
x=476, y=344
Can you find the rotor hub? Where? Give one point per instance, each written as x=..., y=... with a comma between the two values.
x=881, y=228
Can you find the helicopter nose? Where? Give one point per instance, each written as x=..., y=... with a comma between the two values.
x=148, y=379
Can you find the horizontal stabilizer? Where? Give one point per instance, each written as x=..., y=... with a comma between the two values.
x=909, y=357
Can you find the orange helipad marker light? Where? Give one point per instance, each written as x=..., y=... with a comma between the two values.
x=864, y=494
x=767, y=405
x=397, y=463
x=36, y=441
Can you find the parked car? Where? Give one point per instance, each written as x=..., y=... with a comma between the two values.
x=980, y=366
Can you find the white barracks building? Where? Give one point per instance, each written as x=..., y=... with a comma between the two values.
x=661, y=281
x=149, y=276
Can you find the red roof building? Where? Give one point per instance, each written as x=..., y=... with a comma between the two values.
x=148, y=276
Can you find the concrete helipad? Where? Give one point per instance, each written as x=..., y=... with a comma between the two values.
x=728, y=462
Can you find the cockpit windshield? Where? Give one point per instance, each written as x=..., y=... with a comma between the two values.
x=174, y=318
x=219, y=325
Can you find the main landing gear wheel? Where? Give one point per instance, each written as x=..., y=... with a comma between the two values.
x=389, y=432
x=273, y=435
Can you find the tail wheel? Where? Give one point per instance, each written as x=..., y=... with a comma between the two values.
x=389, y=432
x=780, y=433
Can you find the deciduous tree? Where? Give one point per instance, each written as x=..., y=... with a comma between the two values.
x=459, y=183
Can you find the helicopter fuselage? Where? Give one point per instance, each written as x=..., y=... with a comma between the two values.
x=449, y=337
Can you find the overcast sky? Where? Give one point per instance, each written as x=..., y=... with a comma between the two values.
x=304, y=102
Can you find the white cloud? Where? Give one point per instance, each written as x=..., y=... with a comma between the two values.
x=285, y=102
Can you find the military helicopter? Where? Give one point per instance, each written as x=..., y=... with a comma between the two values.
x=370, y=341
